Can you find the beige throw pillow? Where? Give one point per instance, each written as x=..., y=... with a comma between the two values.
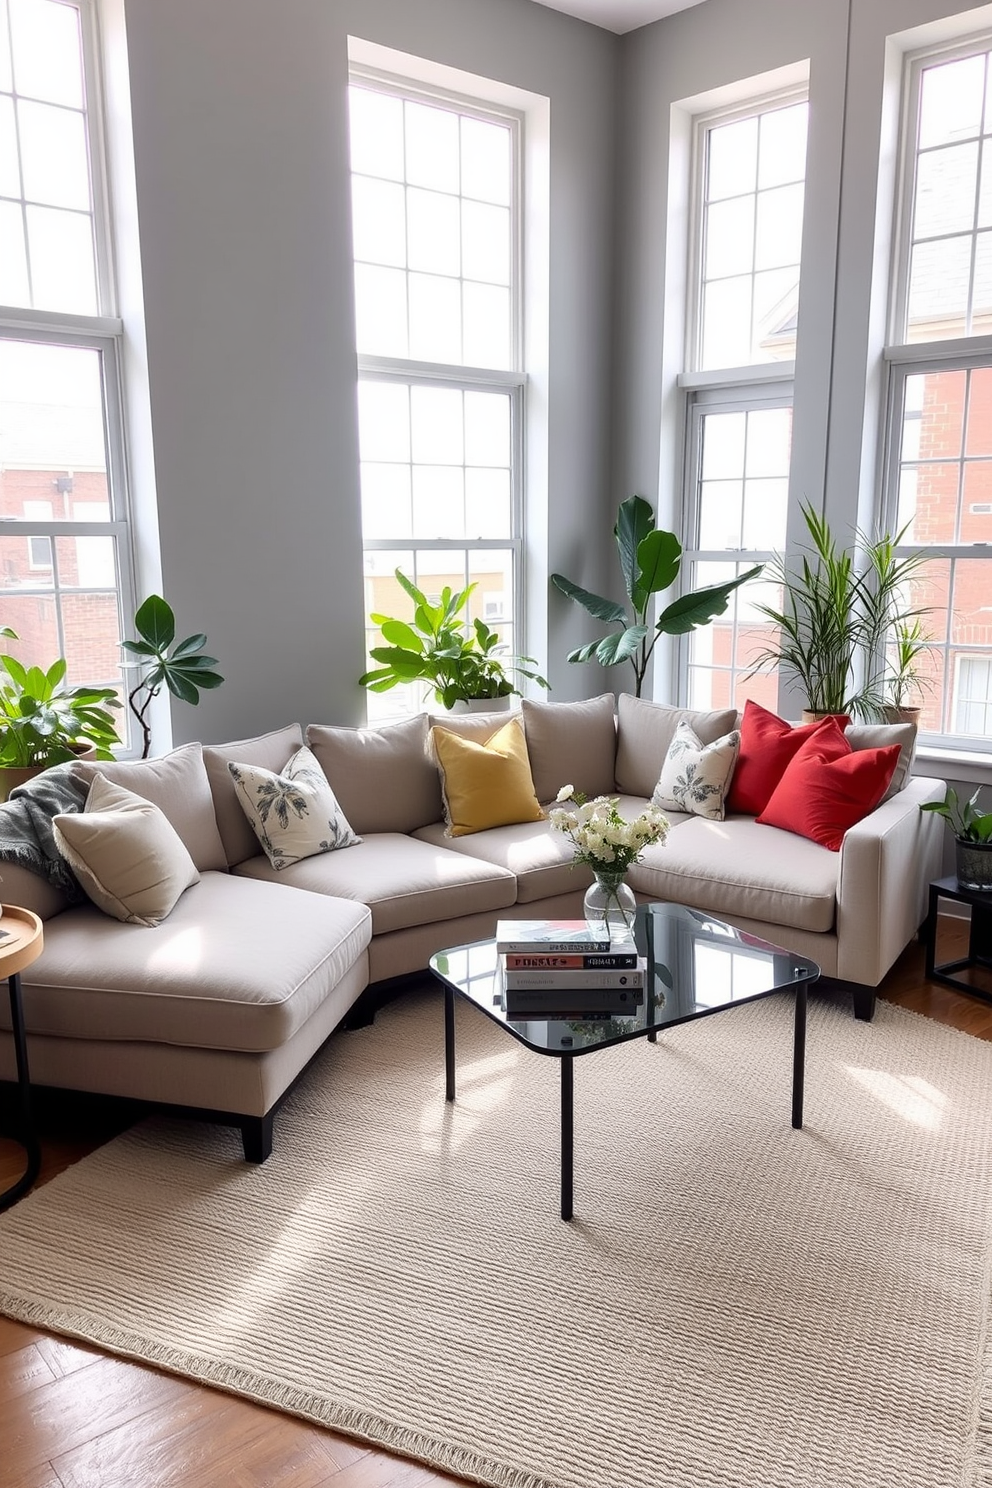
x=695, y=776
x=127, y=855
x=294, y=814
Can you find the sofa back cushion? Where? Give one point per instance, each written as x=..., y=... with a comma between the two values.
x=881, y=736
x=383, y=778
x=645, y=732
x=484, y=782
x=268, y=752
x=177, y=784
x=572, y=744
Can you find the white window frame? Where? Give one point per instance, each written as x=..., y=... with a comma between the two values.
x=904, y=359
x=513, y=381
x=104, y=334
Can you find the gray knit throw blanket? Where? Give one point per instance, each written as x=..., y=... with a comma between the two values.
x=26, y=835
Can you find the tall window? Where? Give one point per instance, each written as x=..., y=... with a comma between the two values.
x=746, y=237
x=64, y=549
x=939, y=443
x=434, y=201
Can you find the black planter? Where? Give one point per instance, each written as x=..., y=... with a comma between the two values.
x=973, y=864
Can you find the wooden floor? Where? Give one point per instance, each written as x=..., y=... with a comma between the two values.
x=72, y=1417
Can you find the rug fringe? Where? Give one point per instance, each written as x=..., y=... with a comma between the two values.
x=366, y=1426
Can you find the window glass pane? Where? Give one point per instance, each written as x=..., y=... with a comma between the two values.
x=435, y=319
x=378, y=217
x=485, y=161
x=438, y=501
x=10, y=176
x=979, y=439
x=376, y=133
x=732, y=159
x=13, y=256
x=486, y=243
x=782, y=157
x=951, y=101
x=766, y=504
x=63, y=268
x=727, y=323
x=769, y=443
x=938, y=289
x=384, y=420
x=432, y=154
x=51, y=429
x=91, y=629
x=433, y=236
x=985, y=192
x=945, y=191
x=438, y=432
x=6, y=77
x=720, y=514
x=487, y=429
x=53, y=156
x=981, y=313
x=780, y=227
x=487, y=326
x=387, y=510
x=929, y=502
x=730, y=238
x=47, y=51
x=976, y=507
x=380, y=311
x=723, y=442
x=33, y=616
x=488, y=512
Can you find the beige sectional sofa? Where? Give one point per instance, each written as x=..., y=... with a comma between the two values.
x=218, y=1008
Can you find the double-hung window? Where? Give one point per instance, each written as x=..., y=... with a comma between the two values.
x=435, y=185
x=746, y=239
x=938, y=484
x=64, y=547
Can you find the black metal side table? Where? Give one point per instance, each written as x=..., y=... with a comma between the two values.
x=979, y=937
x=21, y=942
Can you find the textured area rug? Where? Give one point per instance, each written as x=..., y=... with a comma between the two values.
x=735, y=1303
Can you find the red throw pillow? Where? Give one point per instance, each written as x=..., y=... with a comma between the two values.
x=768, y=743
x=828, y=786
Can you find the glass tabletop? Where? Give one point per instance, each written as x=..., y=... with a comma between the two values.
x=696, y=965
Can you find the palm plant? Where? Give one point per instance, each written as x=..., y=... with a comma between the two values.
x=839, y=606
x=650, y=560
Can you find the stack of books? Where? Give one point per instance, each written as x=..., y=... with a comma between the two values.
x=569, y=969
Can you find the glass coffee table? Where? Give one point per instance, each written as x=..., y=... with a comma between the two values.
x=697, y=966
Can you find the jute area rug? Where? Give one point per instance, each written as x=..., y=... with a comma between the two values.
x=735, y=1303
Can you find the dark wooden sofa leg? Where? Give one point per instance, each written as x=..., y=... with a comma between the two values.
x=864, y=1001
x=256, y=1137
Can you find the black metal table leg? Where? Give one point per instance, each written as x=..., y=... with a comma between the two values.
x=449, y=1044
x=799, y=1057
x=566, y=1135
x=28, y=1137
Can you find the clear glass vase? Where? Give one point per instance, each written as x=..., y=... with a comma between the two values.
x=610, y=898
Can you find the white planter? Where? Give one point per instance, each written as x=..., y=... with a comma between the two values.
x=481, y=705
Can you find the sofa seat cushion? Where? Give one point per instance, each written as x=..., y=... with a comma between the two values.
x=403, y=881
x=736, y=867
x=237, y=965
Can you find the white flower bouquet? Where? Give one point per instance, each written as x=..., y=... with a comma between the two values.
x=601, y=837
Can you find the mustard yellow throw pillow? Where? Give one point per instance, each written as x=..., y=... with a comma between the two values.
x=485, y=785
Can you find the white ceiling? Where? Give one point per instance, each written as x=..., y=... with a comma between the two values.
x=619, y=15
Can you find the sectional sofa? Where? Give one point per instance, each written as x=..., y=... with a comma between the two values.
x=221, y=1006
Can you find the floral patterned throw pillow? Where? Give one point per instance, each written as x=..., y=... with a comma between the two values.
x=696, y=777
x=294, y=814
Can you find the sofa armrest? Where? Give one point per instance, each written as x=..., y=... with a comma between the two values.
x=887, y=862
x=29, y=890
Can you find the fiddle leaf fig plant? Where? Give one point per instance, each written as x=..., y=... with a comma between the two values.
x=184, y=670
x=650, y=560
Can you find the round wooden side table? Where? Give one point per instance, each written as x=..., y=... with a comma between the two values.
x=21, y=941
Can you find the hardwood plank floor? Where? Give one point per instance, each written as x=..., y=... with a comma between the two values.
x=72, y=1417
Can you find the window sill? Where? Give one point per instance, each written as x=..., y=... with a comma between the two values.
x=953, y=764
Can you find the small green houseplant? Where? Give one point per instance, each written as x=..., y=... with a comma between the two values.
x=650, y=559
x=43, y=722
x=184, y=670
x=972, y=830
x=839, y=608
x=459, y=663
x=904, y=680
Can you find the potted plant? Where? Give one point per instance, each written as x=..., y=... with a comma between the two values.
x=460, y=664
x=972, y=838
x=904, y=679
x=650, y=559
x=43, y=722
x=839, y=607
x=184, y=671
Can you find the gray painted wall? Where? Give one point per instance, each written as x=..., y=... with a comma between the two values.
x=241, y=168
